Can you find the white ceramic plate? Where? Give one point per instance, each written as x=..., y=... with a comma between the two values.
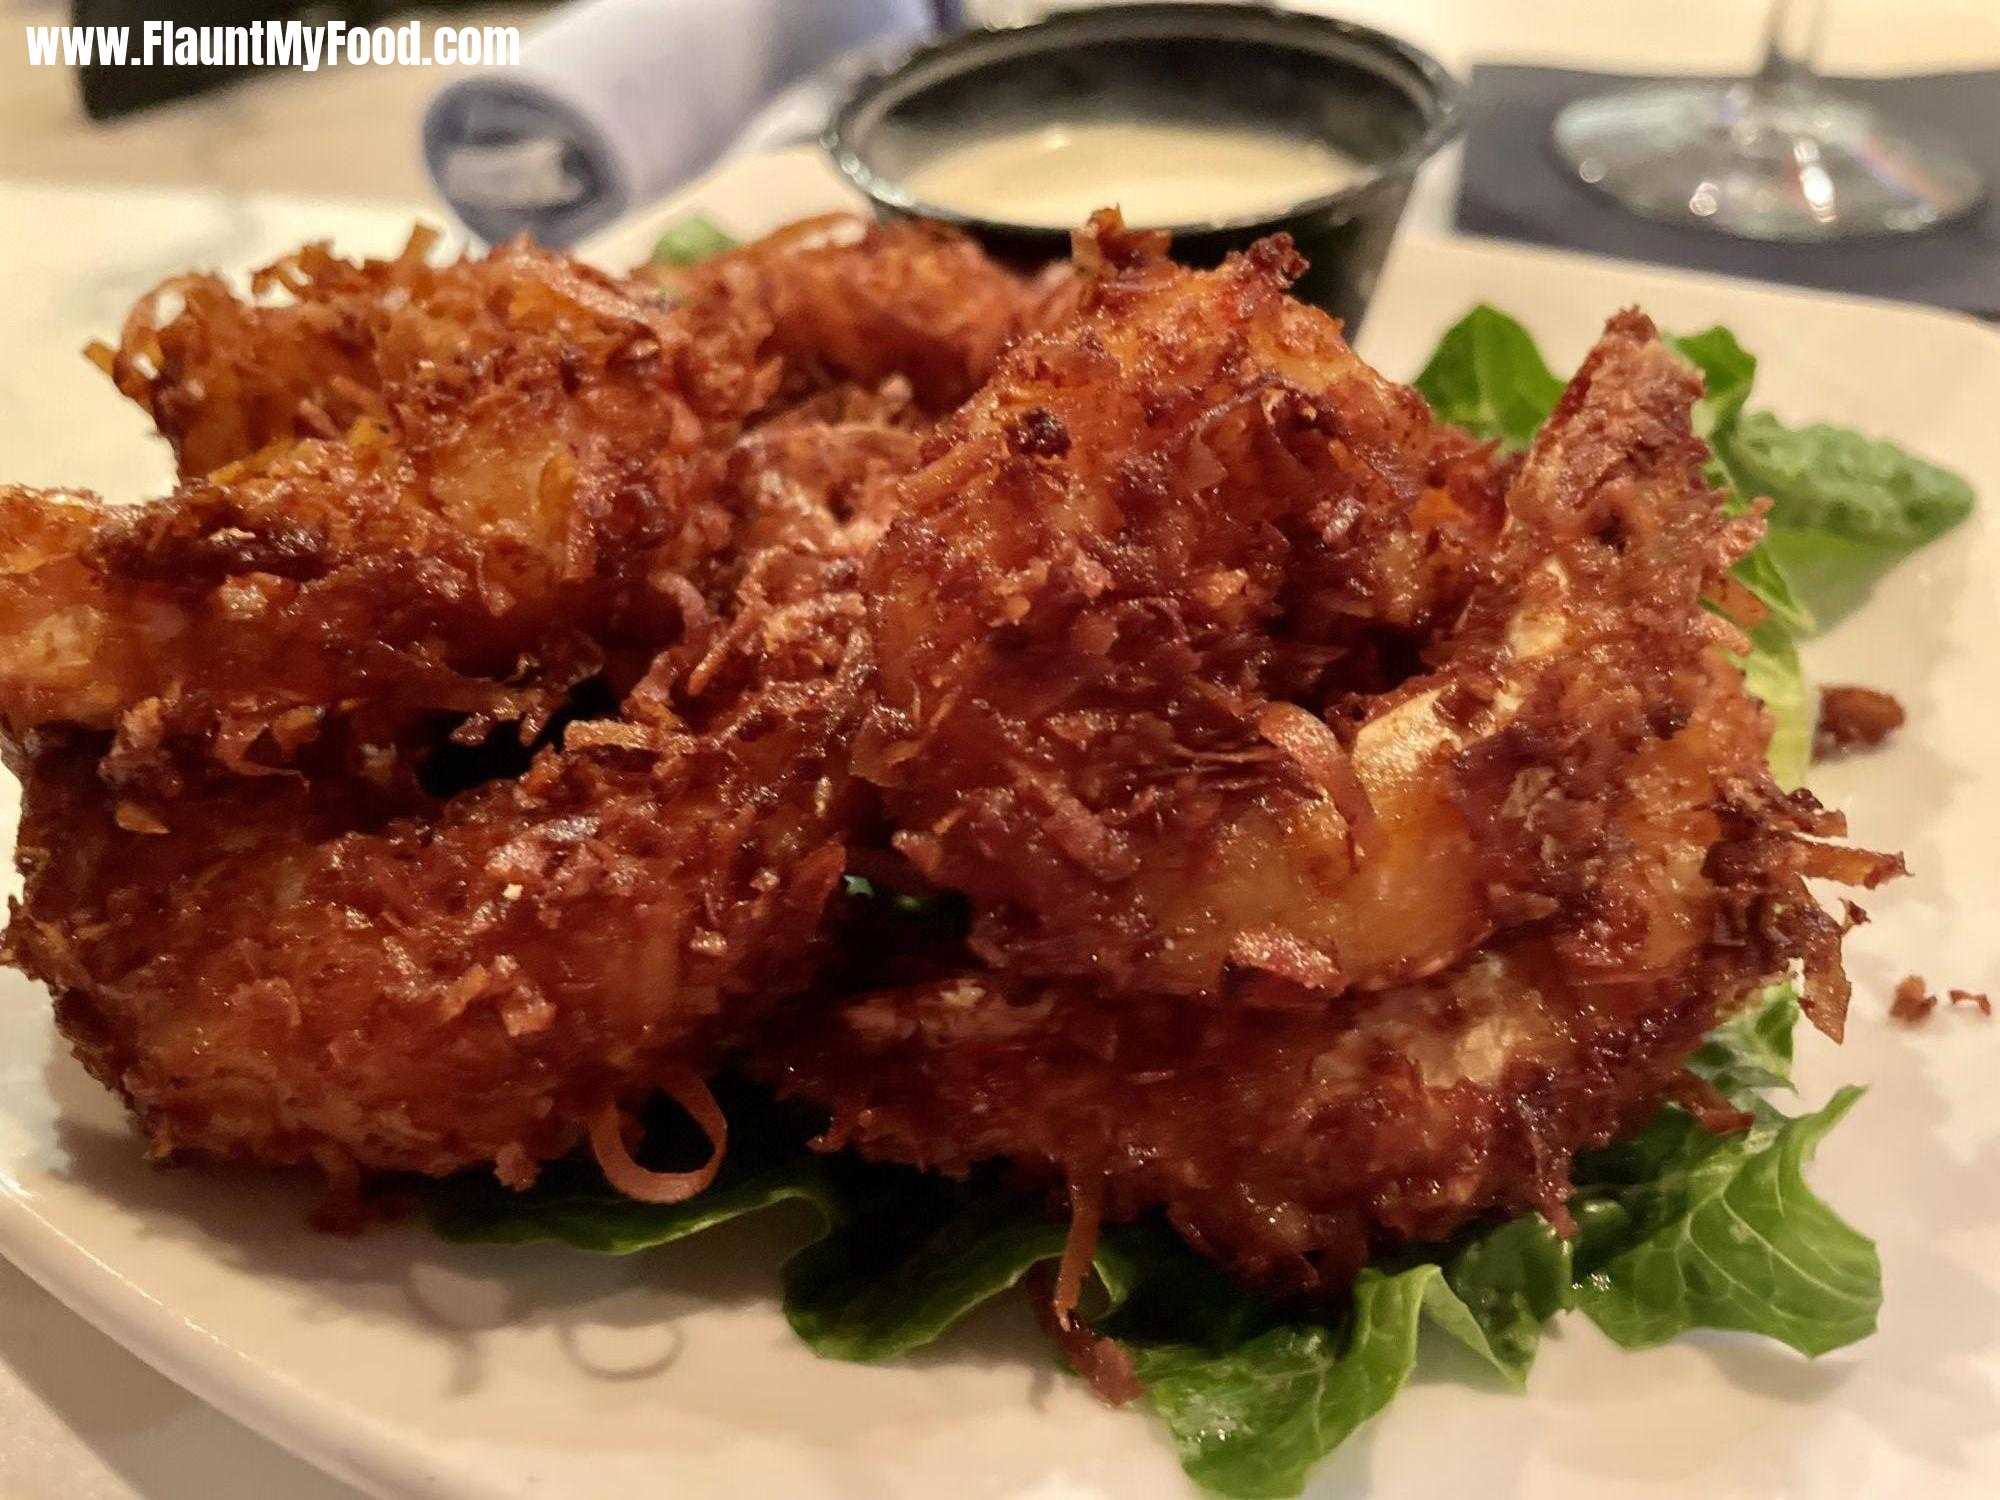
x=414, y=1368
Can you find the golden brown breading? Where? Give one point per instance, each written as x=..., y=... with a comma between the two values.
x=1854, y=718
x=853, y=301
x=522, y=506
x=265, y=974
x=319, y=968
x=304, y=605
x=1291, y=1145
x=322, y=343
x=454, y=491
x=1127, y=624
x=277, y=917
x=1502, y=899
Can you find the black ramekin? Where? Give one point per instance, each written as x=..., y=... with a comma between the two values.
x=1358, y=89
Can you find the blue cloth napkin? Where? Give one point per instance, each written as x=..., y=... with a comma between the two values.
x=1515, y=187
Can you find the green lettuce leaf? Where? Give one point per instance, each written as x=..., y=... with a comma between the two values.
x=1729, y=1236
x=1489, y=378
x=1251, y=1419
x=1773, y=674
x=900, y=1255
x=911, y=1257
x=1844, y=508
x=1835, y=480
x=1763, y=572
x=690, y=241
x=572, y=1204
x=1728, y=371
x=1676, y=1228
x=1681, y=1229
x=1510, y=1280
x=1252, y=1400
x=1752, y=1051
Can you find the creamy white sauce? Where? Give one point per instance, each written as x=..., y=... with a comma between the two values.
x=1157, y=172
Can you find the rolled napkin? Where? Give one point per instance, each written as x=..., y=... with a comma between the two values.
x=617, y=101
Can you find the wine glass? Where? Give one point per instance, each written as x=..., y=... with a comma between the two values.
x=1775, y=156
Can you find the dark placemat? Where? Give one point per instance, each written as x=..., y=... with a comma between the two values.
x=1515, y=187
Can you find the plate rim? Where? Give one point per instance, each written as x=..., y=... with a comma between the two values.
x=350, y=1442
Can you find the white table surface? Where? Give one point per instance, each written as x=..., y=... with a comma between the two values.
x=94, y=216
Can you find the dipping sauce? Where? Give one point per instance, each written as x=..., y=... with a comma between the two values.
x=1157, y=172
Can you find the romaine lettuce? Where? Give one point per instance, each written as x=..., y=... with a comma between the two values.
x=690, y=241
x=1678, y=1229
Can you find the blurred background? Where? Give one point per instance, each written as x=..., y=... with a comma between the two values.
x=354, y=133
x=109, y=182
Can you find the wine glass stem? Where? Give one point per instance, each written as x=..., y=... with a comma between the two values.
x=1792, y=37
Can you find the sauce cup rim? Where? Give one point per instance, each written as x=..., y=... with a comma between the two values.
x=1440, y=97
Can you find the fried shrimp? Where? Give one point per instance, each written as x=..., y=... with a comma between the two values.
x=294, y=904
x=321, y=342
x=851, y=301
x=264, y=974
x=516, y=509
x=318, y=968
x=1573, y=798
x=1151, y=629
x=414, y=491
x=1291, y=1145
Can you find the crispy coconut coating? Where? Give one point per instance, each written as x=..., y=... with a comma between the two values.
x=298, y=897
x=1291, y=1145
x=322, y=342
x=1415, y=1001
x=261, y=979
x=1147, y=629
x=314, y=967
x=505, y=515
x=855, y=302
x=414, y=491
